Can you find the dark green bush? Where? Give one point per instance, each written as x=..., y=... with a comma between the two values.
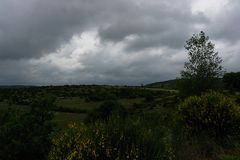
x=69, y=110
x=211, y=113
x=26, y=134
x=232, y=81
x=105, y=110
x=237, y=100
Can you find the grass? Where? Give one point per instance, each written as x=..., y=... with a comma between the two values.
x=62, y=119
x=129, y=102
x=162, y=89
x=76, y=102
x=80, y=103
x=5, y=106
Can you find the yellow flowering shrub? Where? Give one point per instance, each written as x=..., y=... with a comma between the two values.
x=211, y=113
x=117, y=139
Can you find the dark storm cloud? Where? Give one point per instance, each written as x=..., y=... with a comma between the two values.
x=31, y=28
x=154, y=25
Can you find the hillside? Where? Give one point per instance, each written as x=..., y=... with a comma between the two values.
x=169, y=84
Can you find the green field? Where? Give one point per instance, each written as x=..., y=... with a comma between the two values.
x=76, y=108
x=63, y=118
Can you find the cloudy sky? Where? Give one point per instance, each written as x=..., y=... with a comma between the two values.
x=128, y=42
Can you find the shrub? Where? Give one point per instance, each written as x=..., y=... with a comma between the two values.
x=68, y=110
x=116, y=139
x=237, y=100
x=211, y=113
x=232, y=81
x=105, y=110
x=26, y=134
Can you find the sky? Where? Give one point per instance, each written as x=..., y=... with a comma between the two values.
x=115, y=42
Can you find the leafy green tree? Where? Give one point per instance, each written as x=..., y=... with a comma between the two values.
x=203, y=69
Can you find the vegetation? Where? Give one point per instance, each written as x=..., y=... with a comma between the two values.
x=204, y=67
x=212, y=114
x=116, y=139
x=232, y=81
x=26, y=134
x=105, y=110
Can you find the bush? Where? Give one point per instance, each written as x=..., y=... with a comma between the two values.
x=26, y=134
x=116, y=139
x=105, y=110
x=232, y=81
x=68, y=110
x=237, y=100
x=211, y=113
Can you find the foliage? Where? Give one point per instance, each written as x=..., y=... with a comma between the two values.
x=69, y=110
x=25, y=134
x=211, y=113
x=237, y=100
x=204, y=67
x=24, y=95
x=232, y=81
x=105, y=110
x=116, y=139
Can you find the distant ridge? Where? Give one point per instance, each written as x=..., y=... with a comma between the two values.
x=169, y=84
x=16, y=86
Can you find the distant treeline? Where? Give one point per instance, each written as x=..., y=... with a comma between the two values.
x=24, y=95
x=230, y=81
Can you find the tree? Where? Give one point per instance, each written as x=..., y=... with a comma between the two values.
x=204, y=68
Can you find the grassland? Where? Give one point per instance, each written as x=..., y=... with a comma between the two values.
x=73, y=106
